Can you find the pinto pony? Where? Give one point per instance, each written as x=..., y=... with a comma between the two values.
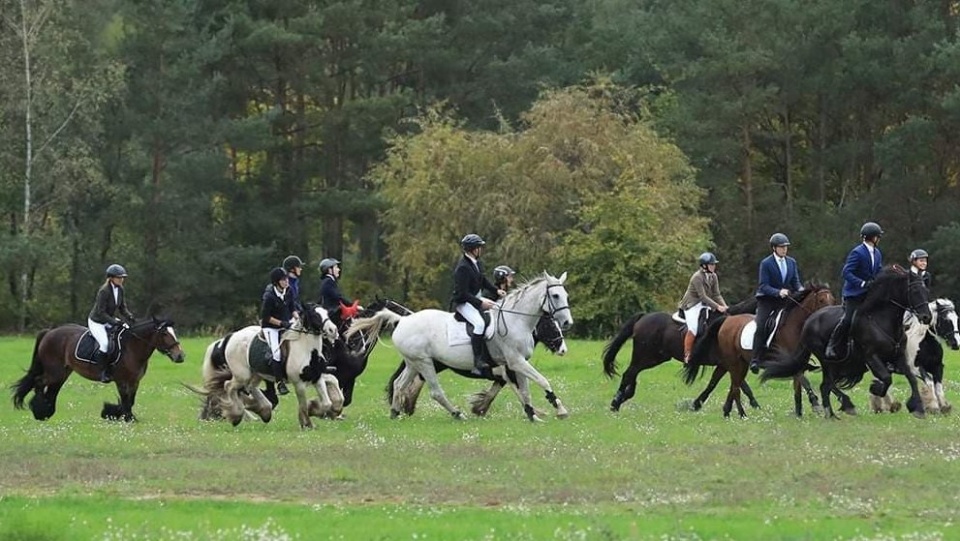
x=55, y=358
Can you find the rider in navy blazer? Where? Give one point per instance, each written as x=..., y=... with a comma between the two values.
x=863, y=264
x=772, y=292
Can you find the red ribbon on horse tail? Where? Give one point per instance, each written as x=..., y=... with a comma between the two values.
x=349, y=311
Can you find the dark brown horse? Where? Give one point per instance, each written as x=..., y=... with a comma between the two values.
x=54, y=359
x=721, y=344
x=657, y=338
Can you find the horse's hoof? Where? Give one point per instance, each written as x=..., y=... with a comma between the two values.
x=895, y=407
x=755, y=405
x=536, y=419
x=614, y=407
x=919, y=414
x=852, y=412
x=458, y=415
x=563, y=414
x=817, y=409
x=946, y=408
x=236, y=422
x=394, y=413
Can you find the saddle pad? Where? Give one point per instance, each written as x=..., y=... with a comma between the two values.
x=257, y=356
x=87, y=346
x=457, y=333
x=746, y=335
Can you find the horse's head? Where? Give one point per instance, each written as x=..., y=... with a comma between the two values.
x=815, y=297
x=380, y=304
x=316, y=319
x=902, y=288
x=548, y=331
x=946, y=323
x=555, y=300
x=162, y=337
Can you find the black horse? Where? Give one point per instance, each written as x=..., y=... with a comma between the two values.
x=877, y=336
x=657, y=338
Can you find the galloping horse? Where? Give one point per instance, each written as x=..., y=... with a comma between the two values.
x=422, y=339
x=925, y=356
x=878, y=340
x=657, y=338
x=237, y=363
x=55, y=358
x=729, y=340
x=548, y=331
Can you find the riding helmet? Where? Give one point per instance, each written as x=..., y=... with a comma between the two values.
x=919, y=253
x=471, y=241
x=779, y=239
x=500, y=273
x=871, y=229
x=328, y=264
x=276, y=275
x=707, y=258
x=116, y=271
x=290, y=262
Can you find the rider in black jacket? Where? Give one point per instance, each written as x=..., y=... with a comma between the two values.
x=469, y=283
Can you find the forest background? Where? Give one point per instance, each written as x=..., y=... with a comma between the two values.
x=199, y=142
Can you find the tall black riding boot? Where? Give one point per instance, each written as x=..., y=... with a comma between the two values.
x=279, y=375
x=103, y=362
x=481, y=363
x=836, y=347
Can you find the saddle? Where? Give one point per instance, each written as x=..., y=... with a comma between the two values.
x=750, y=329
x=468, y=327
x=87, y=346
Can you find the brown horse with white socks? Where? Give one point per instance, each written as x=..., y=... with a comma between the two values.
x=58, y=352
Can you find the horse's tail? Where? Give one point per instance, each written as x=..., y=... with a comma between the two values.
x=373, y=324
x=613, y=347
x=701, y=350
x=28, y=382
x=786, y=364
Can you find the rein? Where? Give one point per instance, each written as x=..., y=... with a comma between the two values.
x=501, y=321
x=147, y=340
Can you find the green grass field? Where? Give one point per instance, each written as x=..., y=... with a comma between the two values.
x=651, y=471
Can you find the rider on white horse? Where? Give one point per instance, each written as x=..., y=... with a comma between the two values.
x=276, y=309
x=468, y=285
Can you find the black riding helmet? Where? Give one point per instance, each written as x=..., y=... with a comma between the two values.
x=500, y=273
x=471, y=241
x=919, y=253
x=707, y=258
x=328, y=264
x=116, y=271
x=871, y=229
x=290, y=262
x=276, y=275
x=779, y=239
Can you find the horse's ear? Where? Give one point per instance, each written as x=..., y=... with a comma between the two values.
x=563, y=277
x=898, y=268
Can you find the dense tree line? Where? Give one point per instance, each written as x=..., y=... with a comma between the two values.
x=198, y=142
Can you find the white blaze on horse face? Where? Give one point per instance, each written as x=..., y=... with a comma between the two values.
x=329, y=329
x=557, y=303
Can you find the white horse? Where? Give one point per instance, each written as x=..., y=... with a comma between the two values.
x=429, y=336
x=926, y=362
x=234, y=366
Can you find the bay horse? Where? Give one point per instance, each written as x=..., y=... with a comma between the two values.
x=877, y=335
x=55, y=358
x=234, y=366
x=548, y=331
x=422, y=338
x=723, y=342
x=657, y=338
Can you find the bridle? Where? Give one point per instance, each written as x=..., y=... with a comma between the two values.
x=161, y=327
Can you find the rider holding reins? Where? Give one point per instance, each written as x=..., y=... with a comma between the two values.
x=469, y=282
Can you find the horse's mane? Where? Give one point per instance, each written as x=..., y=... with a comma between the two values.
x=879, y=290
x=808, y=289
x=516, y=294
x=151, y=321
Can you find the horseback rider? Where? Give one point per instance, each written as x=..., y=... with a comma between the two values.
x=468, y=284
x=276, y=310
x=294, y=267
x=918, y=265
x=109, y=304
x=340, y=308
x=702, y=291
x=863, y=264
x=779, y=277
x=503, y=277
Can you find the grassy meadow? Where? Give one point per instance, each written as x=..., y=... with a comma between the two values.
x=651, y=471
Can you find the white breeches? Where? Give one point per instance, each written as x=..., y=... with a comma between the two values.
x=273, y=340
x=693, y=317
x=99, y=332
x=472, y=315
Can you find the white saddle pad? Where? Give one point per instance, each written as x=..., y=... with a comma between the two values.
x=457, y=333
x=746, y=335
